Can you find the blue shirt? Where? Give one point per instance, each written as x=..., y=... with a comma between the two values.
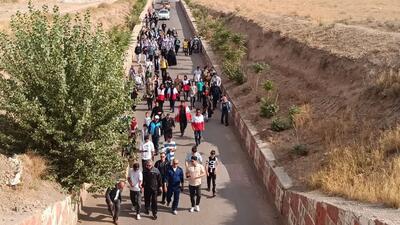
x=174, y=178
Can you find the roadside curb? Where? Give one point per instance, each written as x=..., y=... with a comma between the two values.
x=297, y=208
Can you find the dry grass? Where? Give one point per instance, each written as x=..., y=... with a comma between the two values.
x=366, y=171
x=34, y=168
x=388, y=83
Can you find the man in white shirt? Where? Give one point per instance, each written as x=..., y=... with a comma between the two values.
x=147, y=150
x=197, y=74
x=194, y=173
x=135, y=179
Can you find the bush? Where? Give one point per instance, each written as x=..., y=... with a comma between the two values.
x=300, y=150
x=280, y=124
x=268, y=85
x=230, y=46
x=64, y=95
x=293, y=111
x=268, y=108
x=260, y=67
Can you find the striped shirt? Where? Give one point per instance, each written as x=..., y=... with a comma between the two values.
x=170, y=147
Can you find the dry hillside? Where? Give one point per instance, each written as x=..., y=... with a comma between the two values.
x=338, y=62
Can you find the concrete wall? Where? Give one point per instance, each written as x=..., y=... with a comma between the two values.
x=297, y=208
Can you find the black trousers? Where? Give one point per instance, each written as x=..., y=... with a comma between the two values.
x=114, y=207
x=150, y=199
x=225, y=117
x=172, y=105
x=182, y=127
x=155, y=140
x=215, y=101
x=195, y=191
x=135, y=199
x=211, y=178
x=149, y=103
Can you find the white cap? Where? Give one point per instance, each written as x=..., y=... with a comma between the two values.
x=157, y=117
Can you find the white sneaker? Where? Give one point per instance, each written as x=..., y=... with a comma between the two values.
x=175, y=212
x=191, y=209
x=197, y=208
x=138, y=217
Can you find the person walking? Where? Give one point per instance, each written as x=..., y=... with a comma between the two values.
x=216, y=95
x=156, y=111
x=226, y=109
x=198, y=126
x=183, y=117
x=170, y=147
x=173, y=96
x=189, y=155
x=197, y=74
x=174, y=180
x=138, y=52
x=155, y=131
x=152, y=183
x=163, y=67
x=162, y=165
x=147, y=150
x=177, y=45
x=185, y=87
x=113, y=200
x=167, y=125
x=161, y=95
x=135, y=179
x=194, y=173
x=211, y=170
x=192, y=94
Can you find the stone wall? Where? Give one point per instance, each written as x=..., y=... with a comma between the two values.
x=296, y=208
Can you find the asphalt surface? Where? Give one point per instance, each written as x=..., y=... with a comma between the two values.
x=240, y=199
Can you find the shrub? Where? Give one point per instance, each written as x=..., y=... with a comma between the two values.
x=268, y=108
x=268, y=85
x=280, y=124
x=260, y=67
x=64, y=95
x=293, y=111
x=300, y=150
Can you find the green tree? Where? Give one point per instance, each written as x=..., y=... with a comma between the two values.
x=63, y=96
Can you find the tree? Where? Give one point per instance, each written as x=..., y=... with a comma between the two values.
x=63, y=96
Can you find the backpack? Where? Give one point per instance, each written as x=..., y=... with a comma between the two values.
x=157, y=130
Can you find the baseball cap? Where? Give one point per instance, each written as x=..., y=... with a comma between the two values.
x=157, y=117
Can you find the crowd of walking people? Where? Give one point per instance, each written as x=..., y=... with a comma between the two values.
x=198, y=94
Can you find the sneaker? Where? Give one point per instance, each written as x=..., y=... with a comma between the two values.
x=175, y=212
x=138, y=217
x=168, y=203
x=162, y=202
x=191, y=209
x=154, y=217
x=197, y=208
x=146, y=212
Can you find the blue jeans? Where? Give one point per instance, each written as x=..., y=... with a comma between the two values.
x=176, y=191
x=197, y=136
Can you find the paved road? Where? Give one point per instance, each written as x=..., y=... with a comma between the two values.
x=240, y=198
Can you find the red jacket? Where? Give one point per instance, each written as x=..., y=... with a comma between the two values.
x=198, y=123
x=188, y=115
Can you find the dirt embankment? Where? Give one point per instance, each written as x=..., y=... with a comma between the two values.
x=331, y=71
x=30, y=196
x=109, y=13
